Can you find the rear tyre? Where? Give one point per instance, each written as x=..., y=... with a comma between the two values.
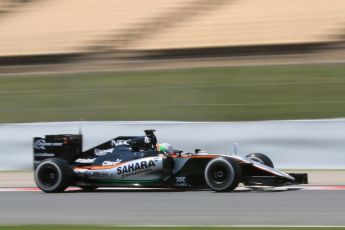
x=261, y=158
x=53, y=175
x=223, y=174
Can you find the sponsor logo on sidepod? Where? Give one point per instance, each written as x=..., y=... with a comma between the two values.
x=136, y=168
x=110, y=163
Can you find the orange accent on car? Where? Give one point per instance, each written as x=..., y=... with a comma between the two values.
x=99, y=166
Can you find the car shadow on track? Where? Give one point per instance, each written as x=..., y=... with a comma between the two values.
x=124, y=190
x=150, y=190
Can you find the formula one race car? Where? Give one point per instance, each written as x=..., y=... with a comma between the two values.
x=128, y=161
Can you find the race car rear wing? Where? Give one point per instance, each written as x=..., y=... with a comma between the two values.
x=64, y=146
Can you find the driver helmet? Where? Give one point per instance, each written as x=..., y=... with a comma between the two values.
x=165, y=148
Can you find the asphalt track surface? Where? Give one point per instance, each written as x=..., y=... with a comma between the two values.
x=166, y=207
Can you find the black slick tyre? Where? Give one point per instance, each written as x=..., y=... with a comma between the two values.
x=261, y=158
x=53, y=175
x=222, y=174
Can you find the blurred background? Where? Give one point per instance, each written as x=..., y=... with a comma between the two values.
x=177, y=60
x=58, y=30
x=201, y=60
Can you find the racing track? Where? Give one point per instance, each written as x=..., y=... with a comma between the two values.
x=162, y=207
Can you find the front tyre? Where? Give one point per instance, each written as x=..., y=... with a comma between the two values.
x=223, y=174
x=53, y=175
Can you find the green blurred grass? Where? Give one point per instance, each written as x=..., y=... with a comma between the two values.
x=203, y=94
x=76, y=227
